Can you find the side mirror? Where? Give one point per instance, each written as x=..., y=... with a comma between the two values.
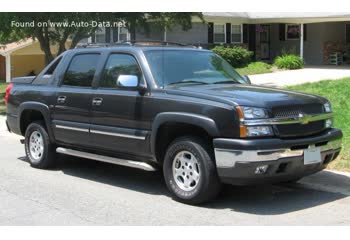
x=246, y=79
x=128, y=81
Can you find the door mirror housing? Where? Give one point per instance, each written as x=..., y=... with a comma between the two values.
x=128, y=81
x=246, y=79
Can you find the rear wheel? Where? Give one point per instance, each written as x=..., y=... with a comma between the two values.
x=40, y=152
x=190, y=172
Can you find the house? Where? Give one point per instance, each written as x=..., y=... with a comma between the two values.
x=21, y=59
x=316, y=37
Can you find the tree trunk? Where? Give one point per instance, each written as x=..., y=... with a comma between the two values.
x=48, y=56
x=132, y=30
x=80, y=35
x=76, y=39
x=62, y=43
x=44, y=41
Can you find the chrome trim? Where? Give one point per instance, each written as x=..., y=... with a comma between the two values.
x=101, y=158
x=227, y=158
x=72, y=128
x=118, y=134
x=302, y=119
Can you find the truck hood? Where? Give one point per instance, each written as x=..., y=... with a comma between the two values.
x=247, y=95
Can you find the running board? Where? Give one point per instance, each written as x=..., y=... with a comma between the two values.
x=101, y=158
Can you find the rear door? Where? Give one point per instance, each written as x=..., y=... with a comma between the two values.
x=71, y=118
x=117, y=121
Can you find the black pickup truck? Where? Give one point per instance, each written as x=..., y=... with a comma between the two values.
x=181, y=109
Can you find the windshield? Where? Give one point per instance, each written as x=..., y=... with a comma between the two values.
x=173, y=67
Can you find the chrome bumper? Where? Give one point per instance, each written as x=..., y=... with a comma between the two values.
x=227, y=158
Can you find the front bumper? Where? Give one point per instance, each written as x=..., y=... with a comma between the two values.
x=240, y=161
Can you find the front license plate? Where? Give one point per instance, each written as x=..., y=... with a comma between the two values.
x=312, y=155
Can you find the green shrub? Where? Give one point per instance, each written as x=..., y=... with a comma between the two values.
x=289, y=61
x=255, y=68
x=236, y=56
x=260, y=65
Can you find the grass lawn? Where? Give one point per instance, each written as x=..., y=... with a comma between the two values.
x=255, y=68
x=2, y=96
x=338, y=93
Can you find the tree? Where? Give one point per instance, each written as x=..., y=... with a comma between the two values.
x=39, y=26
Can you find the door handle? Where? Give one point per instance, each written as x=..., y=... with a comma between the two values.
x=61, y=99
x=97, y=101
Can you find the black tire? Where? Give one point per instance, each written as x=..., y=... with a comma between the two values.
x=47, y=158
x=208, y=185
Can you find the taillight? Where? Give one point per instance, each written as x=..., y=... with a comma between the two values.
x=7, y=94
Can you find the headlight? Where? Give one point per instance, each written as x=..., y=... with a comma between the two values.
x=251, y=113
x=258, y=131
x=254, y=113
x=327, y=107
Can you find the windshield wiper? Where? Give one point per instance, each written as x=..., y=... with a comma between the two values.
x=186, y=82
x=225, y=82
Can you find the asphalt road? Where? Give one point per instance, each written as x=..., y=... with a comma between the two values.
x=85, y=192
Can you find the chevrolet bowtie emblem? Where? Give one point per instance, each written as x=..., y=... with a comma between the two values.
x=304, y=118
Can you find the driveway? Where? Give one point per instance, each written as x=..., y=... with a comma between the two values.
x=84, y=192
x=308, y=74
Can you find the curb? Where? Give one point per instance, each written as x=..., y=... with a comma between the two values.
x=329, y=181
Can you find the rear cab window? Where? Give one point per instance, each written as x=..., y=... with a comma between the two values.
x=53, y=67
x=81, y=70
x=46, y=77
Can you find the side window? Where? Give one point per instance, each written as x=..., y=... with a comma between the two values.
x=119, y=64
x=52, y=68
x=81, y=70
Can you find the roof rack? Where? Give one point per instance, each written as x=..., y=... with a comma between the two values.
x=134, y=43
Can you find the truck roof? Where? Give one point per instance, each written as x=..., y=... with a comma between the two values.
x=136, y=46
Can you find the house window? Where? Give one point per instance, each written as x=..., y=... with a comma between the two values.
x=292, y=31
x=236, y=33
x=124, y=34
x=100, y=35
x=219, y=33
x=85, y=40
x=347, y=32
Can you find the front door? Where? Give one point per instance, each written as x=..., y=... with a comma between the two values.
x=264, y=41
x=116, y=123
x=2, y=68
x=71, y=118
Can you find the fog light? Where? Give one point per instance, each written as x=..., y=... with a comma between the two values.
x=261, y=169
x=329, y=123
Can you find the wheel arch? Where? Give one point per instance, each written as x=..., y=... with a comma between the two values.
x=201, y=125
x=33, y=109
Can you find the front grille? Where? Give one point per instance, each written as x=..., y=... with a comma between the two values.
x=295, y=110
x=298, y=130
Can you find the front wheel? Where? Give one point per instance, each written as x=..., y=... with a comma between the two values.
x=40, y=152
x=190, y=171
